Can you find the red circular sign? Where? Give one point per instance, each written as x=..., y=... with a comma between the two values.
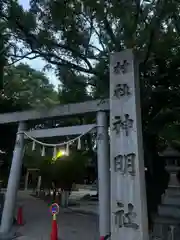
x=54, y=209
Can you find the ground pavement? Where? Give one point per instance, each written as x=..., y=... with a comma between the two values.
x=84, y=206
x=71, y=225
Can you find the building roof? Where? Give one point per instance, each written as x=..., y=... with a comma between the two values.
x=170, y=152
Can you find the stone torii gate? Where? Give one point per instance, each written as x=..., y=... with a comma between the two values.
x=63, y=110
x=122, y=211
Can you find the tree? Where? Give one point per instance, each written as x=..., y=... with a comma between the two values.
x=79, y=44
x=77, y=37
x=71, y=169
x=63, y=173
x=24, y=88
x=71, y=89
x=2, y=55
x=24, y=85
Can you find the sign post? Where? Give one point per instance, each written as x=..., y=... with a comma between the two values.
x=54, y=209
x=128, y=195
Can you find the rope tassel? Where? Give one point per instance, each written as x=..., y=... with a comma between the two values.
x=33, y=146
x=43, y=151
x=54, y=152
x=79, y=144
x=54, y=146
x=67, y=149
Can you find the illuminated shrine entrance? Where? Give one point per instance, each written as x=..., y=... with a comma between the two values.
x=122, y=211
x=101, y=130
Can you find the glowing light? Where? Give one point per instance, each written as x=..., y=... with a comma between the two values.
x=59, y=154
x=63, y=153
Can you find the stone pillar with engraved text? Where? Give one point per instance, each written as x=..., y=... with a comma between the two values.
x=128, y=195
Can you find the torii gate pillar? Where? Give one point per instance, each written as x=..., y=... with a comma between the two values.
x=13, y=182
x=103, y=157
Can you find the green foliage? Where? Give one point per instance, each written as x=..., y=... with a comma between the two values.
x=46, y=172
x=65, y=171
x=24, y=88
x=76, y=38
x=24, y=85
x=32, y=159
x=72, y=88
x=70, y=170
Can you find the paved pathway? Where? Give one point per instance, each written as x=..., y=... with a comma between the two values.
x=72, y=226
x=84, y=206
x=76, y=195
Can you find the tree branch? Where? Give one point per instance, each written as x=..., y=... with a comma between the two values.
x=96, y=32
x=138, y=11
x=97, y=49
x=81, y=56
x=32, y=40
x=155, y=22
x=111, y=34
x=90, y=34
x=62, y=62
x=176, y=21
x=22, y=57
